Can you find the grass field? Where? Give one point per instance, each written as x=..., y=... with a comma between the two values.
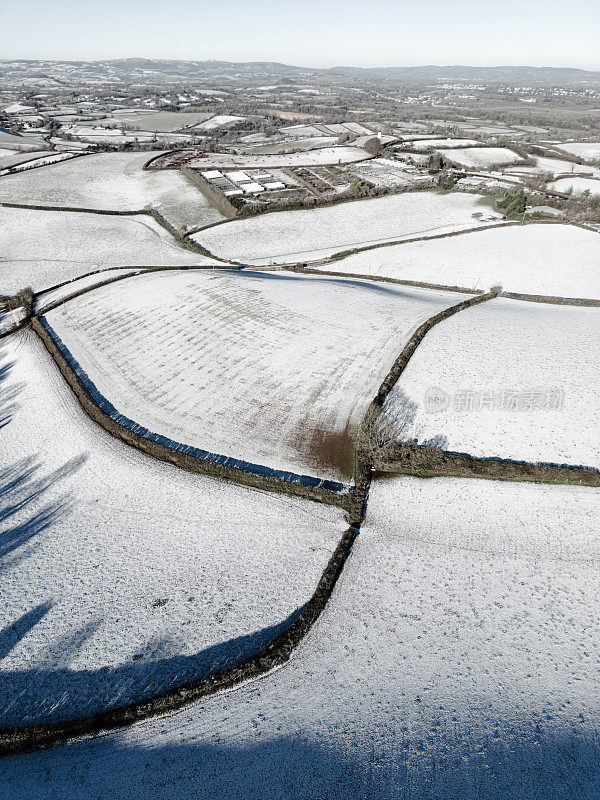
x=291, y=236
x=122, y=576
x=559, y=260
x=271, y=368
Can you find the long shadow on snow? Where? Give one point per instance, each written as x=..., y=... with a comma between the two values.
x=7, y=395
x=50, y=695
x=379, y=288
x=22, y=486
x=12, y=634
x=202, y=762
x=21, y=519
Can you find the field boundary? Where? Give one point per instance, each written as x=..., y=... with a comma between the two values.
x=153, y=158
x=429, y=462
x=20, y=739
x=73, y=209
x=133, y=272
x=363, y=459
x=19, y=327
x=382, y=279
x=83, y=290
x=187, y=457
x=302, y=270
x=550, y=299
x=35, y=165
x=342, y=254
x=415, y=340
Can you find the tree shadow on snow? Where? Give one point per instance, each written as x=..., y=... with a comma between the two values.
x=50, y=694
x=201, y=765
x=397, y=290
x=23, y=512
x=8, y=394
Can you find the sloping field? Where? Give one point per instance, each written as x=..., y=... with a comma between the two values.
x=271, y=368
x=515, y=380
x=559, y=260
x=576, y=185
x=43, y=248
x=122, y=576
x=456, y=659
x=481, y=157
x=115, y=182
x=306, y=235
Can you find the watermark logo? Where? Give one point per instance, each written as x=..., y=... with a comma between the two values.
x=463, y=400
x=437, y=400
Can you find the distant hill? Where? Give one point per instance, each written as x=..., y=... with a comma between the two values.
x=261, y=71
x=513, y=75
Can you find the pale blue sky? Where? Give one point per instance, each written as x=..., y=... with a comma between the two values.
x=318, y=33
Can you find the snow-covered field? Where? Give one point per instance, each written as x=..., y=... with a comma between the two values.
x=456, y=659
x=280, y=147
x=10, y=158
x=559, y=260
x=587, y=150
x=555, y=166
x=218, y=121
x=576, y=185
x=271, y=368
x=54, y=158
x=290, y=236
x=164, y=121
x=115, y=182
x=513, y=379
x=389, y=172
x=122, y=576
x=43, y=248
x=344, y=154
x=14, y=142
x=481, y=157
x=424, y=144
x=418, y=158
